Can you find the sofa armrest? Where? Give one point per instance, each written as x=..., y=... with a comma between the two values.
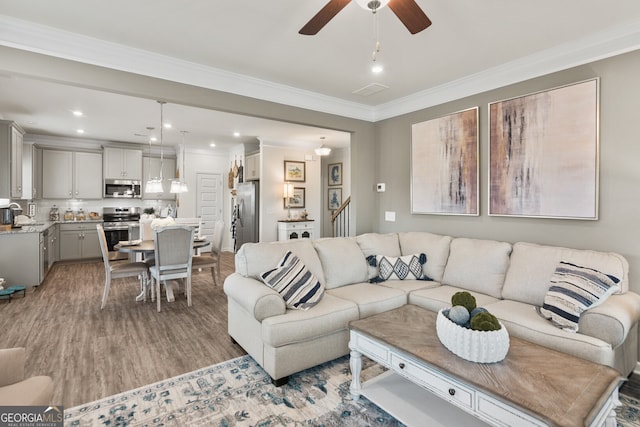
x=612, y=320
x=12, y=362
x=255, y=297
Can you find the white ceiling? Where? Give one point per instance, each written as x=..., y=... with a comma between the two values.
x=253, y=48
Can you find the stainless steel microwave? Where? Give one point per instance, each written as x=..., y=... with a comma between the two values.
x=122, y=188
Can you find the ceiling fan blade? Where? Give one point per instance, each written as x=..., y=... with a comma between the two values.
x=325, y=15
x=410, y=14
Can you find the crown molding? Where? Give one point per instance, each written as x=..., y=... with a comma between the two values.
x=597, y=46
x=36, y=38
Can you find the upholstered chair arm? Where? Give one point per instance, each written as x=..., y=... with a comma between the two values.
x=254, y=296
x=612, y=320
x=11, y=365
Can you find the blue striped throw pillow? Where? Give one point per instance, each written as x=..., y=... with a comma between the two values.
x=299, y=288
x=573, y=290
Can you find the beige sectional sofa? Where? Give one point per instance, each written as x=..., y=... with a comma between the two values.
x=510, y=280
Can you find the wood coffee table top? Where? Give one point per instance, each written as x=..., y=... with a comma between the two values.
x=558, y=388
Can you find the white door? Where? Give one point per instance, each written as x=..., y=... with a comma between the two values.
x=209, y=201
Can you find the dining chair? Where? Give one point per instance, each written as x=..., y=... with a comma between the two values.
x=212, y=259
x=173, y=254
x=120, y=269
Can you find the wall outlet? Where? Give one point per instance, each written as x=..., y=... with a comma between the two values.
x=390, y=216
x=380, y=187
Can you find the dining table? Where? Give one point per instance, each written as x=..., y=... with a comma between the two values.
x=148, y=247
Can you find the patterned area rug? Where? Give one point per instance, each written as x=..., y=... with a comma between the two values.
x=239, y=393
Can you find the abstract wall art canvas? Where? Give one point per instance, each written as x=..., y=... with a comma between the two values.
x=444, y=165
x=543, y=153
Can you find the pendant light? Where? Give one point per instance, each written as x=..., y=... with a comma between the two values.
x=177, y=185
x=155, y=185
x=322, y=150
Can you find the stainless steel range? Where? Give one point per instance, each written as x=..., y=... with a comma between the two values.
x=120, y=223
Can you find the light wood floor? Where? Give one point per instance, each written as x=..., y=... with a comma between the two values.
x=92, y=353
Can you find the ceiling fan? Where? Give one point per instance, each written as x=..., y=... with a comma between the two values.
x=407, y=11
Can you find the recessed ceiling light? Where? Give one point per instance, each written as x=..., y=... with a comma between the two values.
x=213, y=144
x=236, y=134
x=377, y=68
x=78, y=113
x=167, y=126
x=153, y=139
x=80, y=131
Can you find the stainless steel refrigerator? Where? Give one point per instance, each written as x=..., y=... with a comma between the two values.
x=246, y=213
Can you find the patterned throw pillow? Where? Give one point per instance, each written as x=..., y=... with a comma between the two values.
x=573, y=290
x=299, y=288
x=398, y=268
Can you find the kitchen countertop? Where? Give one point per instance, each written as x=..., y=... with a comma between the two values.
x=41, y=226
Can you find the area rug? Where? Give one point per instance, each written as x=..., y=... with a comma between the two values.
x=239, y=393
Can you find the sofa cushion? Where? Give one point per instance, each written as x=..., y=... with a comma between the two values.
x=398, y=268
x=573, y=290
x=435, y=246
x=252, y=259
x=522, y=321
x=408, y=286
x=371, y=299
x=330, y=315
x=299, y=288
x=378, y=244
x=532, y=265
x=440, y=297
x=342, y=261
x=477, y=265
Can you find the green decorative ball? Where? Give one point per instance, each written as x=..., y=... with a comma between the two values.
x=459, y=315
x=485, y=322
x=465, y=299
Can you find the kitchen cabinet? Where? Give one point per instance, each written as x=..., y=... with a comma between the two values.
x=71, y=175
x=11, y=145
x=122, y=163
x=151, y=169
x=20, y=258
x=52, y=244
x=31, y=172
x=79, y=241
x=252, y=167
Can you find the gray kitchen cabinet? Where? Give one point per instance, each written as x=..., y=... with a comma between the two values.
x=53, y=245
x=122, y=163
x=78, y=241
x=11, y=145
x=21, y=258
x=71, y=175
x=151, y=169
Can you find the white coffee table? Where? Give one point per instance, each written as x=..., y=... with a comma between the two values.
x=426, y=384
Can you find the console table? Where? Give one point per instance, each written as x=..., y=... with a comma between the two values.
x=295, y=229
x=426, y=384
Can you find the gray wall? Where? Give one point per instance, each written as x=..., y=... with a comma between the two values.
x=617, y=227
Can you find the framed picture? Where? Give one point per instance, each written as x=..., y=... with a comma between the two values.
x=444, y=165
x=294, y=171
x=334, y=198
x=298, y=198
x=335, y=174
x=543, y=153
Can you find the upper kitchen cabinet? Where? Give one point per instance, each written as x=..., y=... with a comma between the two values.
x=151, y=169
x=71, y=175
x=122, y=163
x=252, y=167
x=11, y=142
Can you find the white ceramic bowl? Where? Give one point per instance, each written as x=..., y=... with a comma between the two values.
x=475, y=346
